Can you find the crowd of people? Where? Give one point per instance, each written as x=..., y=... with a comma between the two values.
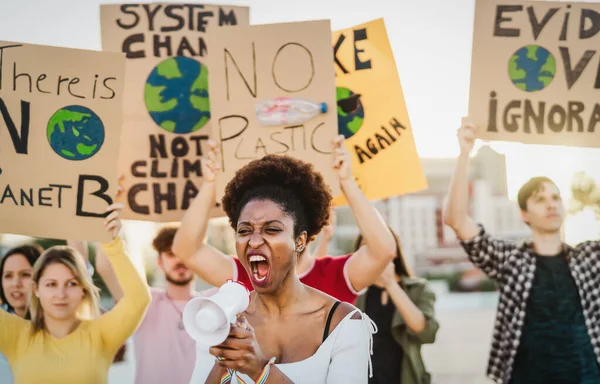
x=312, y=318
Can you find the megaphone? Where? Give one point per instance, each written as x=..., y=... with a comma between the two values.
x=207, y=319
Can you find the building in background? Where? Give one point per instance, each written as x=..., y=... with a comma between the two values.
x=430, y=246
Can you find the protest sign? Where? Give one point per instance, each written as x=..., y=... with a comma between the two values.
x=372, y=114
x=61, y=117
x=273, y=92
x=167, y=111
x=535, y=72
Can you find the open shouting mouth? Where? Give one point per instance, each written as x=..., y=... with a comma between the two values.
x=260, y=269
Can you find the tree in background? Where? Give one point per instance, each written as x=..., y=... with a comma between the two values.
x=585, y=194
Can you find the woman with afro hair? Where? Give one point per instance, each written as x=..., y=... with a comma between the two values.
x=297, y=185
x=290, y=332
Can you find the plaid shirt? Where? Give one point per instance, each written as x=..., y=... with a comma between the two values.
x=512, y=265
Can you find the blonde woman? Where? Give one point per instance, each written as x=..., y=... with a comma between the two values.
x=66, y=341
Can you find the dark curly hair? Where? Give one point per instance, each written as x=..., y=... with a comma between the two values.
x=294, y=185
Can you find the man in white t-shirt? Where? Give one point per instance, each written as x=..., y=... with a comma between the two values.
x=164, y=352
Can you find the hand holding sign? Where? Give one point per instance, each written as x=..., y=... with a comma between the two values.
x=342, y=163
x=466, y=136
x=210, y=164
x=112, y=223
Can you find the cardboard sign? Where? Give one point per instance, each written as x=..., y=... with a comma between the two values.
x=535, y=72
x=372, y=114
x=60, y=124
x=167, y=111
x=274, y=64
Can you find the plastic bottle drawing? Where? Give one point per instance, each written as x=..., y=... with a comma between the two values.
x=285, y=110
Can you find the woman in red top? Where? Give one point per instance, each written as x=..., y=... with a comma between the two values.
x=342, y=277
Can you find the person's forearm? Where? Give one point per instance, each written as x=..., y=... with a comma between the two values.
x=456, y=210
x=370, y=223
x=278, y=377
x=135, y=288
x=322, y=246
x=190, y=235
x=81, y=247
x=412, y=315
x=215, y=375
x=106, y=271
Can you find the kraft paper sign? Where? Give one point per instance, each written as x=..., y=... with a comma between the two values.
x=271, y=65
x=167, y=112
x=60, y=125
x=535, y=72
x=372, y=114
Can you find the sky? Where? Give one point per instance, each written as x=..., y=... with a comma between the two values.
x=431, y=40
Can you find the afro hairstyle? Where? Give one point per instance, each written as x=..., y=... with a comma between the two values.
x=294, y=185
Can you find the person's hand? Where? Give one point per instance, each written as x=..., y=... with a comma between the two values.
x=388, y=277
x=342, y=163
x=120, y=187
x=210, y=163
x=329, y=229
x=240, y=351
x=466, y=136
x=112, y=223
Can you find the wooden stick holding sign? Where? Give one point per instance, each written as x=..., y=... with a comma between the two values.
x=167, y=110
x=273, y=92
x=61, y=116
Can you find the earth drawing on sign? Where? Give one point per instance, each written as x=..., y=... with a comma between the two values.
x=350, y=111
x=532, y=68
x=75, y=132
x=176, y=95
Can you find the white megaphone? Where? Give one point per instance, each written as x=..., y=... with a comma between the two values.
x=207, y=319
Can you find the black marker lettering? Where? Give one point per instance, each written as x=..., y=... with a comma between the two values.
x=506, y=32
x=109, y=88
x=100, y=192
x=133, y=205
x=172, y=15
x=20, y=141
x=42, y=199
x=227, y=54
x=227, y=18
x=360, y=34
x=41, y=78
x=310, y=61
x=124, y=9
x=73, y=81
x=60, y=188
x=127, y=46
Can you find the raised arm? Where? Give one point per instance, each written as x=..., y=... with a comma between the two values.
x=103, y=266
x=366, y=265
x=82, y=248
x=417, y=316
x=456, y=211
x=210, y=264
x=325, y=238
x=486, y=252
x=11, y=328
x=120, y=322
x=106, y=271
